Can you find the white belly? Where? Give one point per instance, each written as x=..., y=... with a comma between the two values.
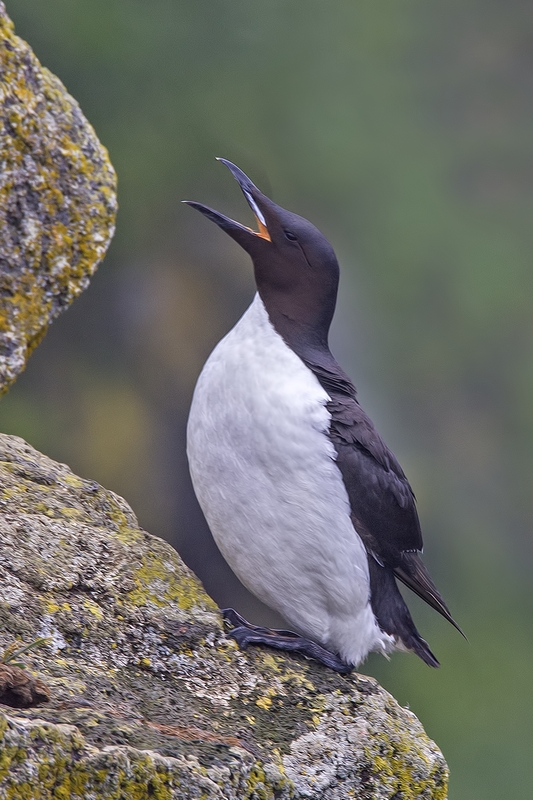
x=264, y=472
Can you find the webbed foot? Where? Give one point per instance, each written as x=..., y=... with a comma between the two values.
x=244, y=634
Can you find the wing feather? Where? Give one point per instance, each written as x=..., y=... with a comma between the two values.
x=382, y=502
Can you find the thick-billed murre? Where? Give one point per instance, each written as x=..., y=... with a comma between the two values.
x=308, y=506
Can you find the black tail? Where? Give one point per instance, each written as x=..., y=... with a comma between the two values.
x=413, y=573
x=392, y=614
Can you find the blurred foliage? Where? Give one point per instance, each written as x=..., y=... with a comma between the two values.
x=404, y=130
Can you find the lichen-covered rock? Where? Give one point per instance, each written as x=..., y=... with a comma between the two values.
x=149, y=698
x=57, y=201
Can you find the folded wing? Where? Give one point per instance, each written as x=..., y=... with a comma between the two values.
x=383, y=510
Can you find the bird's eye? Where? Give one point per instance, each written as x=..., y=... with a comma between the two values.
x=290, y=236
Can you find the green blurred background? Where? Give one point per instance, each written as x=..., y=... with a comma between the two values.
x=404, y=129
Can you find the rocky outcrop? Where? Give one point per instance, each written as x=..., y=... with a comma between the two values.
x=149, y=697
x=57, y=201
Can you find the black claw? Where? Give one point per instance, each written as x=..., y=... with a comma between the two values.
x=231, y=616
x=244, y=634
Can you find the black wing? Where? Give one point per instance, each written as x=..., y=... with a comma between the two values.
x=381, y=499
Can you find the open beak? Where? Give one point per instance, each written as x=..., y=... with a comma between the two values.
x=240, y=233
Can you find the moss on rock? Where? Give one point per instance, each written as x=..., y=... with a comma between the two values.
x=149, y=697
x=57, y=201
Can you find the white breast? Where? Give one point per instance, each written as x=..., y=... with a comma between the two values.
x=264, y=472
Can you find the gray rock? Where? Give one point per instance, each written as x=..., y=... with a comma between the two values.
x=149, y=697
x=57, y=201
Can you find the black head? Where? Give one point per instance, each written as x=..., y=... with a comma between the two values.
x=296, y=270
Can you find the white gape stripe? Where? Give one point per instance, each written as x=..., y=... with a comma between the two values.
x=255, y=208
x=264, y=472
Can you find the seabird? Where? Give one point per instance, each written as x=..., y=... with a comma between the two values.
x=307, y=504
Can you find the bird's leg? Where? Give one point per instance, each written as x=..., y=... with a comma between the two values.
x=244, y=634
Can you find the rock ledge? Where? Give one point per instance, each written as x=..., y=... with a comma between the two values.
x=149, y=698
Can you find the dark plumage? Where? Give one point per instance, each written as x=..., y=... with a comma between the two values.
x=297, y=275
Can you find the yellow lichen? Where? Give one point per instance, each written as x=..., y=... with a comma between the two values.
x=259, y=787
x=71, y=513
x=394, y=763
x=72, y=480
x=156, y=584
x=264, y=702
x=93, y=608
x=66, y=202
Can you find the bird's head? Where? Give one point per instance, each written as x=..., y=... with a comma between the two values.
x=296, y=270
